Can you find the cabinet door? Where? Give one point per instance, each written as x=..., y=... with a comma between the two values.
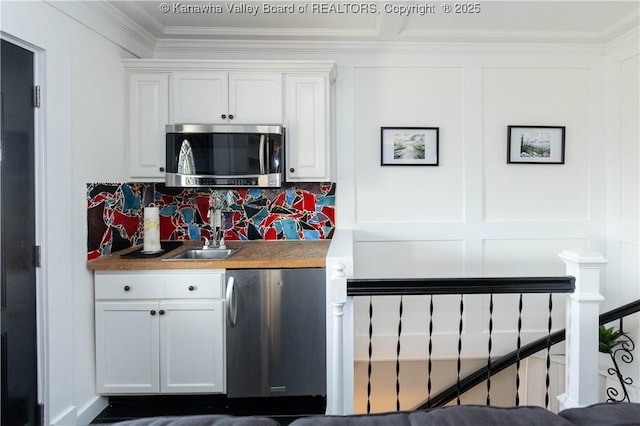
x=307, y=124
x=199, y=97
x=148, y=114
x=192, y=347
x=127, y=347
x=255, y=98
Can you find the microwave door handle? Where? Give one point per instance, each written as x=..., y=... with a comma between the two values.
x=262, y=155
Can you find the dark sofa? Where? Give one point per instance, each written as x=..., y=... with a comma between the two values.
x=622, y=414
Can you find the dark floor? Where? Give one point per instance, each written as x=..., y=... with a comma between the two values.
x=282, y=409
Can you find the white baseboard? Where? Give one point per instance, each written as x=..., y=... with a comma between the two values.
x=91, y=410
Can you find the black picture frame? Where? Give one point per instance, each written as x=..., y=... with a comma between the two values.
x=535, y=144
x=409, y=146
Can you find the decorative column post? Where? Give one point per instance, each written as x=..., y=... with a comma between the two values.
x=338, y=288
x=339, y=317
x=583, y=310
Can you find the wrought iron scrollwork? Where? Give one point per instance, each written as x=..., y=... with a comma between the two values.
x=623, y=353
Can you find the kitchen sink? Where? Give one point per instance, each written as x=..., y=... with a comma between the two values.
x=203, y=254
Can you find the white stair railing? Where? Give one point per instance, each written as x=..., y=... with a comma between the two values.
x=582, y=313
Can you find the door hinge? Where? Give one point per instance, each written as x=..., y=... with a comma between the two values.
x=36, y=96
x=37, y=256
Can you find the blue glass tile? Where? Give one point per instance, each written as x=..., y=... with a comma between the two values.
x=255, y=193
x=290, y=229
x=131, y=200
x=168, y=210
x=259, y=217
x=325, y=200
x=187, y=215
x=194, y=232
x=106, y=249
x=290, y=196
x=311, y=235
x=278, y=226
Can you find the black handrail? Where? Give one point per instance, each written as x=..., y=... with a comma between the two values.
x=458, y=286
x=620, y=312
x=480, y=375
x=424, y=286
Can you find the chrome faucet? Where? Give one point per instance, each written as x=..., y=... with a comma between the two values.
x=217, y=231
x=216, y=224
x=206, y=244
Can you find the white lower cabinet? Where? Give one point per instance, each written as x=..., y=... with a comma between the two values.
x=127, y=347
x=159, y=332
x=191, y=351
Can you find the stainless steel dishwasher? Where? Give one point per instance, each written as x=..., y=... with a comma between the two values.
x=275, y=332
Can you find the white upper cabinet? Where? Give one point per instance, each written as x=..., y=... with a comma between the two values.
x=307, y=120
x=228, y=98
x=255, y=98
x=296, y=94
x=148, y=114
x=199, y=97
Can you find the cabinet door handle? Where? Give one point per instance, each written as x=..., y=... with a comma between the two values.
x=191, y=288
x=292, y=170
x=153, y=312
x=127, y=288
x=161, y=312
x=162, y=169
x=230, y=116
x=223, y=116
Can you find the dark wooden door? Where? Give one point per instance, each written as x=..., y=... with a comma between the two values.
x=17, y=238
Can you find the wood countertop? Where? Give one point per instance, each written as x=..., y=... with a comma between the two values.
x=252, y=254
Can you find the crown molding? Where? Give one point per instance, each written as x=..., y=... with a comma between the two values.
x=109, y=22
x=627, y=45
x=396, y=32
x=186, y=48
x=268, y=33
x=128, y=31
x=630, y=24
x=324, y=67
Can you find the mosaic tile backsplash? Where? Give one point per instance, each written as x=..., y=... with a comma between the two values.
x=115, y=213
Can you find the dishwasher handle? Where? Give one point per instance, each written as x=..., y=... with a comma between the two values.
x=231, y=302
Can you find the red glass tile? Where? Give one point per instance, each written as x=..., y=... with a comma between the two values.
x=309, y=202
x=94, y=254
x=129, y=223
x=330, y=213
x=167, y=228
x=271, y=234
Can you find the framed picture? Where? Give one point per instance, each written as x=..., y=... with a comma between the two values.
x=535, y=144
x=409, y=146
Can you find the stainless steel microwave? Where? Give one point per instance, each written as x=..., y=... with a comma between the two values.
x=218, y=155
